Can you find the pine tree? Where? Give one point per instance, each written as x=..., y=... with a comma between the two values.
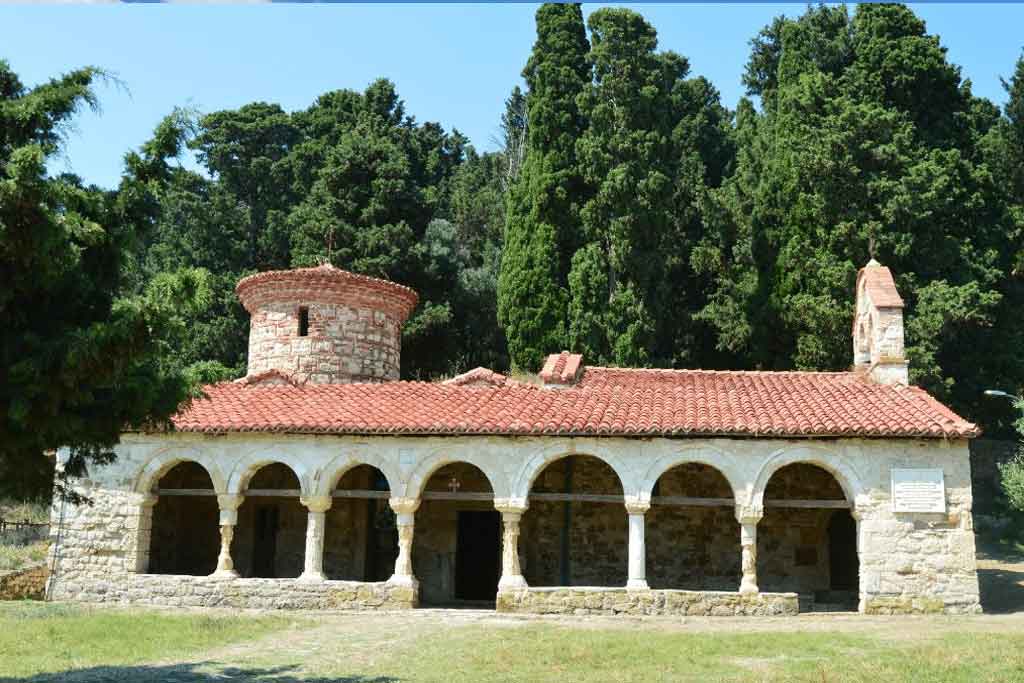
x=542, y=222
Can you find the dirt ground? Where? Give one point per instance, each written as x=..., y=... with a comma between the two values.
x=1001, y=579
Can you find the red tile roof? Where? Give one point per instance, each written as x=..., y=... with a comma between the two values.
x=880, y=285
x=603, y=402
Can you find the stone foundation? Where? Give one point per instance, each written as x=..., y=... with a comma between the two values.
x=581, y=601
x=24, y=584
x=208, y=591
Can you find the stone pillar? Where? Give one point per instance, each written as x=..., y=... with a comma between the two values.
x=511, y=574
x=748, y=517
x=228, y=505
x=318, y=506
x=637, y=547
x=405, y=509
x=138, y=562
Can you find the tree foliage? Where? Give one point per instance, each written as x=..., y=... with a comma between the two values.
x=81, y=359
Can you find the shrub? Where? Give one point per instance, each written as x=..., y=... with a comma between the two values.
x=1011, y=475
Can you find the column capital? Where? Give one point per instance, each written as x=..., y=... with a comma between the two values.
x=406, y=506
x=229, y=501
x=511, y=505
x=637, y=507
x=749, y=514
x=317, y=503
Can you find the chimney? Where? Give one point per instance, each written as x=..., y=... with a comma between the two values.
x=561, y=370
x=878, y=327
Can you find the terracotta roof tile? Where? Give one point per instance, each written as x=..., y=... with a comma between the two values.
x=604, y=401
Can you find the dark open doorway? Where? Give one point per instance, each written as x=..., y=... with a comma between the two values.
x=264, y=552
x=844, y=566
x=477, y=555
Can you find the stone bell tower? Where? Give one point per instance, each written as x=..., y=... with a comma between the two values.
x=324, y=325
x=878, y=327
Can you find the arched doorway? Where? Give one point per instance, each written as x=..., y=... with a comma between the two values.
x=804, y=541
x=185, y=536
x=270, y=541
x=360, y=536
x=693, y=538
x=575, y=532
x=456, y=552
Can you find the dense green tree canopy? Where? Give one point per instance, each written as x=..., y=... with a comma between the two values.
x=867, y=147
x=79, y=360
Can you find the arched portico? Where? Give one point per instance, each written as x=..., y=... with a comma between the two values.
x=538, y=461
x=164, y=459
x=575, y=531
x=834, y=463
x=806, y=539
x=497, y=482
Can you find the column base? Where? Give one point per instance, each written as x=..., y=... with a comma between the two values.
x=225, y=574
x=512, y=582
x=312, y=577
x=748, y=588
x=406, y=581
x=637, y=585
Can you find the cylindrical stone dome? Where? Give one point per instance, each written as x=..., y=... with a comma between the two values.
x=325, y=325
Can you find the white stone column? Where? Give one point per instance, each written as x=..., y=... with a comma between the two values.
x=228, y=505
x=748, y=517
x=405, y=509
x=637, y=546
x=511, y=574
x=313, y=569
x=143, y=522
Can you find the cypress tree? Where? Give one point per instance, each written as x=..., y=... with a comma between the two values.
x=622, y=300
x=542, y=224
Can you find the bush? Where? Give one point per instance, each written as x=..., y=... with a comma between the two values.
x=1011, y=475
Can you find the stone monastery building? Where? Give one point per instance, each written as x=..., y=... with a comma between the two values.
x=322, y=481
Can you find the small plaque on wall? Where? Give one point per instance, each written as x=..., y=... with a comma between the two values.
x=918, y=490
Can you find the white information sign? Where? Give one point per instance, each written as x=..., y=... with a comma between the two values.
x=918, y=490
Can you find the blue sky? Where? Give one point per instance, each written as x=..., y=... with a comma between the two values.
x=453, y=64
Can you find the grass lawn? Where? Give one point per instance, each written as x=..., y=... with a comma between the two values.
x=49, y=643
x=46, y=638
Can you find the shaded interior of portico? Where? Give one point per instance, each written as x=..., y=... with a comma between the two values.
x=693, y=538
x=184, y=538
x=456, y=551
x=577, y=541
x=270, y=539
x=807, y=539
x=360, y=535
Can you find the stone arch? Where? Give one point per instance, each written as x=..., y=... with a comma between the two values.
x=828, y=460
x=249, y=464
x=708, y=456
x=536, y=464
x=326, y=478
x=426, y=469
x=163, y=460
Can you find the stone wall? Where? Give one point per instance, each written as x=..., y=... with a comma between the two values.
x=24, y=584
x=206, y=591
x=581, y=601
x=343, y=344
x=353, y=324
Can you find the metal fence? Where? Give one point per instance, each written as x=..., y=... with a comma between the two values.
x=20, y=533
